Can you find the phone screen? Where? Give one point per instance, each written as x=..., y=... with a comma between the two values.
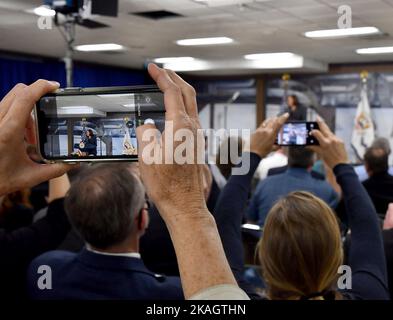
x=297, y=134
x=95, y=125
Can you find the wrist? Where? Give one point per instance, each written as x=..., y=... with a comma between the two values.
x=176, y=217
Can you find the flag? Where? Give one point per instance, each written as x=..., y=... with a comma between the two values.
x=128, y=148
x=363, y=132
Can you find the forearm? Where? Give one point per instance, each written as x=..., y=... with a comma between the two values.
x=229, y=215
x=366, y=238
x=200, y=254
x=58, y=187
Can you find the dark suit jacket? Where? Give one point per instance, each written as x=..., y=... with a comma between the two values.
x=388, y=243
x=91, y=276
x=19, y=247
x=380, y=189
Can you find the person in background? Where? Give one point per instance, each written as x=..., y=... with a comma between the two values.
x=388, y=244
x=16, y=210
x=107, y=207
x=90, y=141
x=276, y=159
x=379, y=185
x=228, y=156
x=380, y=143
x=295, y=110
x=296, y=178
x=301, y=248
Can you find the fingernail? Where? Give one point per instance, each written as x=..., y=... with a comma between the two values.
x=54, y=83
x=286, y=114
x=149, y=121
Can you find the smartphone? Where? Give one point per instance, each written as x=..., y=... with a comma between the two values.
x=95, y=124
x=297, y=134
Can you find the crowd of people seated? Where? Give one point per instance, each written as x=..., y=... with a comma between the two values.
x=146, y=231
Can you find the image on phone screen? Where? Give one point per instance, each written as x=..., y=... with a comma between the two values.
x=95, y=126
x=297, y=134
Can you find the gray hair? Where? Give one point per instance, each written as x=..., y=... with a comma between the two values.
x=382, y=143
x=103, y=203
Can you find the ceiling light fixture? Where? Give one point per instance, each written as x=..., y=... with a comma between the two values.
x=275, y=60
x=99, y=47
x=174, y=60
x=375, y=50
x=340, y=33
x=204, y=41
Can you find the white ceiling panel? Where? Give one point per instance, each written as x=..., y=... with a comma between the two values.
x=255, y=25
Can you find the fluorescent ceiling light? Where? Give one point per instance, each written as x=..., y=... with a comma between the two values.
x=174, y=59
x=44, y=11
x=99, y=47
x=204, y=41
x=80, y=110
x=277, y=60
x=183, y=66
x=344, y=32
x=264, y=56
x=375, y=50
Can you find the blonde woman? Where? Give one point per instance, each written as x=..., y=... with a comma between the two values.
x=300, y=250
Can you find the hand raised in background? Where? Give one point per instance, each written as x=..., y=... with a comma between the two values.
x=331, y=148
x=262, y=140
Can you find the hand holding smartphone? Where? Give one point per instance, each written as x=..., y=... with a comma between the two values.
x=297, y=134
x=95, y=124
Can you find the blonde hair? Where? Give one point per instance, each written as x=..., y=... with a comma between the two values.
x=301, y=249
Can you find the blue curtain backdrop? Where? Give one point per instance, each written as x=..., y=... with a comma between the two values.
x=27, y=70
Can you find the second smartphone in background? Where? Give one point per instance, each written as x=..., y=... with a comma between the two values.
x=297, y=134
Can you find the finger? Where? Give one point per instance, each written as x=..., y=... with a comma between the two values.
x=267, y=123
x=30, y=134
x=189, y=94
x=174, y=104
x=25, y=100
x=323, y=127
x=42, y=87
x=280, y=121
x=5, y=104
x=44, y=172
x=320, y=137
x=144, y=136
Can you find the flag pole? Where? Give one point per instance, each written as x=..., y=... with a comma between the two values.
x=364, y=76
x=285, y=78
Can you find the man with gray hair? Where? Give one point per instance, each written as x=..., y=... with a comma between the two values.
x=107, y=207
x=378, y=143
